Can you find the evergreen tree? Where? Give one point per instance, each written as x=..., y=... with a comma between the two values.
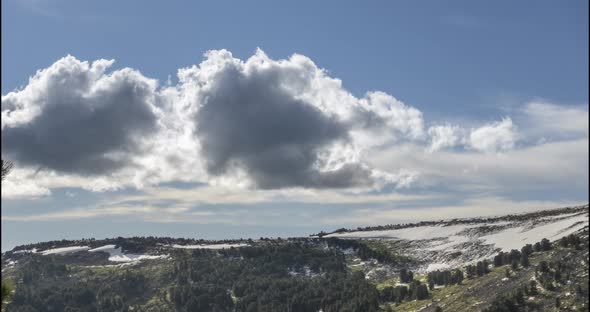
x=458, y=276
x=403, y=275
x=524, y=260
x=533, y=288
x=514, y=264
x=545, y=244
x=421, y=292
x=498, y=259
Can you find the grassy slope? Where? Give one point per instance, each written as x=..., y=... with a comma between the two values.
x=472, y=295
x=157, y=271
x=475, y=294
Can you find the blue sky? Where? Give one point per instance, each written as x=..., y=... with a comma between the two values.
x=503, y=81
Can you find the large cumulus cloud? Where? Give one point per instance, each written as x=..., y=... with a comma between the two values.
x=260, y=123
x=252, y=116
x=73, y=118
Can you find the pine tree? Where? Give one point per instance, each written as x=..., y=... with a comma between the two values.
x=498, y=259
x=421, y=292
x=533, y=288
x=459, y=276
x=403, y=275
x=514, y=264
x=545, y=244
x=524, y=260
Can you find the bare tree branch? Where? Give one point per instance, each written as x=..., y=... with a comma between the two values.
x=6, y=168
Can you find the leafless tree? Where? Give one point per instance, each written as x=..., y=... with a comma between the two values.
x=7, y=286
x=6, y=168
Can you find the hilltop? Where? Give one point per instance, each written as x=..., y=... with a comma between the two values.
x=524, y=262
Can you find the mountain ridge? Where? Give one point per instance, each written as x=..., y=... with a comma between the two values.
x=452, y=265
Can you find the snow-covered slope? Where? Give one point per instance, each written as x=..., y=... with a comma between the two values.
x=116, y=255
x=516, y=237
x=209, y=246
x=64, y=250
x=447, y=244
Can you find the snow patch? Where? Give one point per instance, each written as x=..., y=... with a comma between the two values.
x=306, y=272
x=438, y=266
x=452, y=242
x=34, y=250
x=64, y=250
x=411, y=233
x=450, y=246
x=515, y=238
x=212, y=246
x=105, y=248
x=116, y=255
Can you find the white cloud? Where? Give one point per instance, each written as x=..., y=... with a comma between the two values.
x=551, y=168
x=257, y=124
x=446, y=136
x=548, y=119
x=494, y=137
x=474, y=207
x=74, y=118
x=15, y=190
x=92, y=212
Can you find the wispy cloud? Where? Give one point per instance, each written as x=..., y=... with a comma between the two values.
x=475, y=207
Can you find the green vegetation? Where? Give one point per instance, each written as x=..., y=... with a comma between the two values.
x=7, y=291
x=370, y=249
x=295, y=275
x=555, y=275
x=271, y=276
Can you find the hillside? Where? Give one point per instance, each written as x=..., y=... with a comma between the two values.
x=453, y=243
x=536, y=261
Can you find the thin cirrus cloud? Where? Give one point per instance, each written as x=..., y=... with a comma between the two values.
x=547, y=119
x=259, y=123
